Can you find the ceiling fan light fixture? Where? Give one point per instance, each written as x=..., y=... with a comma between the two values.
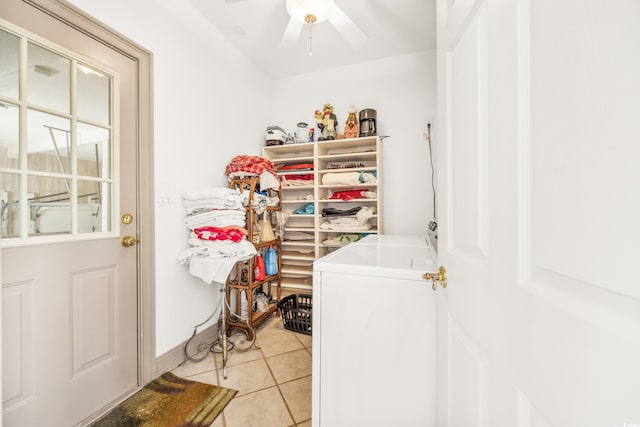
x=309, y=11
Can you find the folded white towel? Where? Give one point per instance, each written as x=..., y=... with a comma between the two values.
x=216, y=218
x=228, y=203
x=209, y=193
x=215, y=222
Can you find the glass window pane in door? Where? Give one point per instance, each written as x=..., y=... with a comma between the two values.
x=9, y=64
x=9, y=208
x=93, y=151
x=48, y=142
x=94, y=89
x=94, y=206
x=9, y=136
x=49, y=207
x=48, y=79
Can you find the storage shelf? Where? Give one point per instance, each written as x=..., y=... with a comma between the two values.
x=298, y=200
x=347, y=201
x=347, y=187
x=303, y=283
x=340, y=170
x=298, y=187
x=348, y=230
x=303, y=229
x=243, y=273
x=288, y=271
x=297, y=268
x=288, y=149
x=295, y=172
x=257, y=317
x=301, y=257
x=354, y=145
x=358, y=157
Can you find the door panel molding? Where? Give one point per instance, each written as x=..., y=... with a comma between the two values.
x=467, y=405
x=524, y=140
x=600, y=307
x=529, y=415
x=92, y=321
x=593, y=299
x=459, y=13
x=17, y=312
x=468, y=203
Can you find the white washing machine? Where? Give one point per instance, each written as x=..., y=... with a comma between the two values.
x=374, y=334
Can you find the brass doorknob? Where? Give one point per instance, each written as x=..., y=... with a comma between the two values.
x=440, y=276
x=127, y=241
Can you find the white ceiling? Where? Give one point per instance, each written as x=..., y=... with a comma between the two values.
x=394, y=27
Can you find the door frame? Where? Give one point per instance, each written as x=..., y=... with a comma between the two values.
x=80, y=21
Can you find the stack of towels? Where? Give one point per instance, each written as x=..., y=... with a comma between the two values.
x=217, y=221
x=357, y=222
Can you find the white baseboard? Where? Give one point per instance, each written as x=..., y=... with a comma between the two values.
x=174, y=357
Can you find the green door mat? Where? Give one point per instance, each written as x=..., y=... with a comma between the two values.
x=170, y=401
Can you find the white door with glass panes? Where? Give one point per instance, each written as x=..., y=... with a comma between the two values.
x=538, y=209
x=68, y=171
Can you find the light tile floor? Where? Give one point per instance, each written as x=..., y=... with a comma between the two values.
x=273, y=380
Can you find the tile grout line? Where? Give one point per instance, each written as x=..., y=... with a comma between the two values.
x=281, y=394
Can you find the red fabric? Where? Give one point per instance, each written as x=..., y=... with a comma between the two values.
x=234, y=234
x=294, y=167
x=306, y=177
x=251, y=164
x=348, y=195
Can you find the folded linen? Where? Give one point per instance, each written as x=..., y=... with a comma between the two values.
x=234, y=234
x=353, y=194
x=209, y=193
x=341, y=178
x=359, y=222
x=217, y=215
x=331, y=212
x=214, y=203
x=216, y=222
x=344, y=226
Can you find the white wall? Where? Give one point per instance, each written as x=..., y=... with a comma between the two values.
x=402, y=90
x=210, y=104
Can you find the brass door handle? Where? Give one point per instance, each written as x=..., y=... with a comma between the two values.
x=128, y=241
x=439, y=277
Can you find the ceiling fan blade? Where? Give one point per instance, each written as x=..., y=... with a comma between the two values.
x=292, y=33
x=347, y=28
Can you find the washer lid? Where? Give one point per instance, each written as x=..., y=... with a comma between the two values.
x=392, y=259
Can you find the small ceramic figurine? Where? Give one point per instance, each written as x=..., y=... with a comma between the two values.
x=327, y=123
x=351, y=125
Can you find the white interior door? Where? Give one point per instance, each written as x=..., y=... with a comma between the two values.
x=70, y=325
x=538, y=209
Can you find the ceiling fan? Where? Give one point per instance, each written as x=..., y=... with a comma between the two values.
x=312, y=12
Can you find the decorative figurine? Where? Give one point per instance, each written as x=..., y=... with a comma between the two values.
x=327, y=123
x=351, y=125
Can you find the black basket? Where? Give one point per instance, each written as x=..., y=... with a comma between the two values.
x=296, y=313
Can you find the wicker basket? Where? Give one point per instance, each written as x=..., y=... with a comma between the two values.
x=296, y=313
